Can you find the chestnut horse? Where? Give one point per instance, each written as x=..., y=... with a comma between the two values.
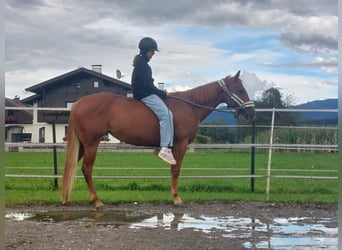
x=130, y=121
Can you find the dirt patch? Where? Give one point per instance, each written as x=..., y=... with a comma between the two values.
x=190, y=226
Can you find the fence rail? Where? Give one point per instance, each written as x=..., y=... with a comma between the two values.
x=191, y=147
x=121, y=146
x=181, y=177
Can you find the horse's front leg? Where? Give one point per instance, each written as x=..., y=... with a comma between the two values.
x=175, y=169
x=178, y=152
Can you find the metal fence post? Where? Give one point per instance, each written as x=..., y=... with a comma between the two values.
x=252, y=156
x=54, y=154
x=270, y=157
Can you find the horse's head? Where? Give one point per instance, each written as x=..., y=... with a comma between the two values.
x=236, y=96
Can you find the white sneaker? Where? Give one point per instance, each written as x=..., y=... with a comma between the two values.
x=166, y=155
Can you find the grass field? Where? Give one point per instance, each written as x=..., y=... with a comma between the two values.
x=200, y=163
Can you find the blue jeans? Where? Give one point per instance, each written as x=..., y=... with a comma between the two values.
x=165, y=117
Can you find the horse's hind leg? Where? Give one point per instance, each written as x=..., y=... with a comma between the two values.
x=87, y=169
x=80, y=152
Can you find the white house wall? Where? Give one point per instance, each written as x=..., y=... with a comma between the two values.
x=60, y=132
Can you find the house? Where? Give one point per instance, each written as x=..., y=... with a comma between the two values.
x=16, y=120
x=58, y=94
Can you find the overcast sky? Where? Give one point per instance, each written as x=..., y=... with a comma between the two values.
x=291, y=45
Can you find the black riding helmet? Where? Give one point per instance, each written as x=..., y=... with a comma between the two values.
x=148, y=44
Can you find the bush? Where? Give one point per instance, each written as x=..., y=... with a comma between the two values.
x=202, y=139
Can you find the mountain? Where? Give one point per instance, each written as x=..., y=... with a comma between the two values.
x=227, y=118
x=320, y=104
x=319, y=117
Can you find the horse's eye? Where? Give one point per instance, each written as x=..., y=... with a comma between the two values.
x=241, y=92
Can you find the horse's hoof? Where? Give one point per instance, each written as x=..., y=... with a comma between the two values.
x=178, y=203
x=66, y=203
x=99, y=205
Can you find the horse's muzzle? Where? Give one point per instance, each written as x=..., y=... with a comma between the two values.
x=247, y=112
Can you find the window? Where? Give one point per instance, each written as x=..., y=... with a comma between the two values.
x=96, y=84
x=78, y=85
x=69, y=104
x=42, y=135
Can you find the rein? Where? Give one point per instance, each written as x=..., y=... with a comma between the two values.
x=233, y=96
x=198, y=105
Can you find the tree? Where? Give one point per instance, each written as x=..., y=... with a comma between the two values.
x=219, y=134
x=272, y=98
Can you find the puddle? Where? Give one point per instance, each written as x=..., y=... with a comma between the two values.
x=86, y=218
x=278, y=233
x=18, y=216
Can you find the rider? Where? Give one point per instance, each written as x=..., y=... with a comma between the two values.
x=145, y=91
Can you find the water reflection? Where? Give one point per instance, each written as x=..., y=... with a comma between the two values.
x=280, y=233
x=277, y=233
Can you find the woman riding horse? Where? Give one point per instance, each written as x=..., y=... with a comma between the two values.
x=145, y=91
x=131, y=121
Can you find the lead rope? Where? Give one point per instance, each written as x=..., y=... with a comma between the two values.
x=199, y=105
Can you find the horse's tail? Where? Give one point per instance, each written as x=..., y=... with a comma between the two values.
x=70, y=165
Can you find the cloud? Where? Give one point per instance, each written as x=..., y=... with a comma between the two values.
x=329, y=65
x=200, y=40
x=254, y=86
x=315, y=35
x=303, y=88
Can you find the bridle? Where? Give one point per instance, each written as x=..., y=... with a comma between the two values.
x=230, y=95
x=241, y=104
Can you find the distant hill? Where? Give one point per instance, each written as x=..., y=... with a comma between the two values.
x=228, y=118
x=319, y=116
x=315, y=117
x=320, y=104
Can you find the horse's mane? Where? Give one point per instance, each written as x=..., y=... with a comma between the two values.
x=197, y=93
x=201, y=94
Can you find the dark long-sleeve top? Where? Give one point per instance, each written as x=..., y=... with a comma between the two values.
x=142, y=81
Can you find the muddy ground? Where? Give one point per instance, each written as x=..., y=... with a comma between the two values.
x=102, y=232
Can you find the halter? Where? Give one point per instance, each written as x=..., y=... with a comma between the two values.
x=242, y=105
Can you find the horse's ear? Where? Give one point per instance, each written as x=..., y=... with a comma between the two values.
x=236, y=77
